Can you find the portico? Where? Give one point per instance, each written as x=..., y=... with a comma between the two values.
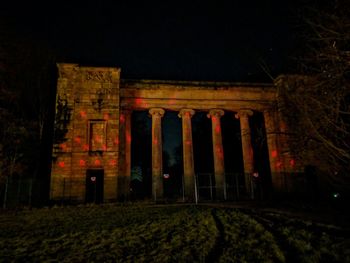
x=118, y=98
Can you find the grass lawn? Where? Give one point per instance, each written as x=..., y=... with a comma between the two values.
x=140, y=233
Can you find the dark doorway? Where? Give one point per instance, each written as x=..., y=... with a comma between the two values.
x=94, y=186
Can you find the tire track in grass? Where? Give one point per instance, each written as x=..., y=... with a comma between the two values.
x=218, y=248
x=289, y=252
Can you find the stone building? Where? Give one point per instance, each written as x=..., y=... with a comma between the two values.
x=92, y=150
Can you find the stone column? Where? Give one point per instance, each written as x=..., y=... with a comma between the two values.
x=272, y=130
x=247, y=149
x=157, y=160
x=124, y=154
x=187, y=145
x=219, y=167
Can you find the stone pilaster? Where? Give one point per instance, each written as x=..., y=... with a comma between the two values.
x=187, y=145
x=247, y=149
x=124, y=176
x=274, y=150
x=157, y=160
x=218, y=150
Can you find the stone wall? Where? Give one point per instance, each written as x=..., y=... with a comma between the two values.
x=92, y=131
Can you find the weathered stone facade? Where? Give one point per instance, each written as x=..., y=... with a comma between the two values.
x=95, y=128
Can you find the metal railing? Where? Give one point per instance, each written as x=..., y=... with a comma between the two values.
x=17, y=192
x=205, y=187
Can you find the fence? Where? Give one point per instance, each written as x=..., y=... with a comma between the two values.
x=205, y=187
x=72, y=190
x=17, y=192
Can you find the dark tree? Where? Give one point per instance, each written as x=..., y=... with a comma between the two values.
x=316, y=100
x=27, y=82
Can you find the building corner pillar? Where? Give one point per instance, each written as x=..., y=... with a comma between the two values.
x=218, y=151
x=276, y=164
x=247, y=149
x=188, y=163
x=157, y=152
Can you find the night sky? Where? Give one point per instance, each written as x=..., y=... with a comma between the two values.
x=221, y=40
x=194, y=40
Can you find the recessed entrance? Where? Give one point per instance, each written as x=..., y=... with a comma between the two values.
x=94, y=186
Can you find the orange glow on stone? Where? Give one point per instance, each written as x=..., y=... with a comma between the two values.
x=128, y=138
x=106, y=116
x=77, y=140
x=61, y=164
x=274, y=153
x=278, y=164
x=155, y=141
x=85, y=147
x=104, y=147
x=82, y=162
x=116, y=141
x=83, y=114
x=97, y=162
x=219, y=152
x=188, y=142
x=217, y=129
x=113, y=162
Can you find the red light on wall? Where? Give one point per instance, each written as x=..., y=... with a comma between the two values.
x=98, y=139
x=77, y=140
x=122, y=118
x=106, y=116
x=83, y=114
x=155, y=141
x=278, y=164
x=219, y=152
x=113, y=162
x=292, y=162
x=63, y=146
x=138, y=101
x=274, y=153
x=116, y=141
x=104, y=147
x=85, y=147
x=188, y=142
x=82, y=162
x=97, y=162
x=61, y=164
x=128, y=138
x=217, y=129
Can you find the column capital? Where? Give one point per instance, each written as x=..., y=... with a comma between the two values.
x=243, y=113
x=215, y=113
x=157, y=112
x=186, y=112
